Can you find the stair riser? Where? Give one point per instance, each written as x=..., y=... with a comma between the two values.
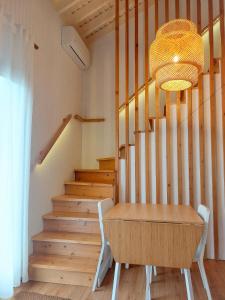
x=102, y=177
x=68, y=206
x=89, y=191
x=107, y=164
x=60, y=276
x=69, y=249
x=71, y=226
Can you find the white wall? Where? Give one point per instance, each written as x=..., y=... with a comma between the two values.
x=98, y=91
x=57, y=92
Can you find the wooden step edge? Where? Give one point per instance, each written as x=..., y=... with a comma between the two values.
x=92, y=184
x=106, y=158
x=122, y=146
x=94, y=171
x=74, y=198
x=43, y=237
x=64, y=216
x=36, y=261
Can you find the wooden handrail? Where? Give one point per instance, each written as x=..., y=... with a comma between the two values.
x=88, y=120
x=55, y=137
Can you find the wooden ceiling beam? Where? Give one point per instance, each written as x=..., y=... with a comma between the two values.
x=107, y=20
x=69, y=6
x=83, y=10
x=92, y=10
x=92, y=18
x=95, y=23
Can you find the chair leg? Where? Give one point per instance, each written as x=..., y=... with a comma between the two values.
x=116, y=281
x=150, y=279
x=98, y=269
x=111, y=260
x=204, y=278
x=190, y=294
x=155, y=271
x=148, y=270
x=181, y=271
x=127, y=266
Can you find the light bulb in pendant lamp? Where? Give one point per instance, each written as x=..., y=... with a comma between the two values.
x=177, y=56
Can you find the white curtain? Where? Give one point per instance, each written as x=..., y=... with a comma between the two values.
x=15, y=139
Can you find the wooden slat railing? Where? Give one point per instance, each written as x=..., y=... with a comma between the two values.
x=151, y=81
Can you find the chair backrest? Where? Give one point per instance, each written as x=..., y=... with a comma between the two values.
x=204, y=213
x=103, y=207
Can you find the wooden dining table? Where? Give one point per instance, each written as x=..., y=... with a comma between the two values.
x=148, y=234
x=153, y=235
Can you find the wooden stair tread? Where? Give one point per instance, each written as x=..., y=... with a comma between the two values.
x=71, y=216
x=74, y=198
x=106, y=158
x=93, y=184
x=94, y=170
x=69, y=237
x=65, y=263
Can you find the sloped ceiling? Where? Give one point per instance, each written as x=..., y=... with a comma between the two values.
x=91, y=18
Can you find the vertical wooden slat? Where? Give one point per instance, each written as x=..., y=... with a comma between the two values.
x=213, y=127
x=222, y=34
x=199, y=17
x=188, y=8
x=179, y=150
x=168, y=147
x=127, y=151
x=166, y=10
x=156, y=15
x=179, y=157
x=147, y=161
x=137, y=136
x=188, y=96
x=117, y=80
x=157, y=148
x=177, y=8
x=201, y=116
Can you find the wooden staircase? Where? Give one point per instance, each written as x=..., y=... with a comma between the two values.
x=67, y=250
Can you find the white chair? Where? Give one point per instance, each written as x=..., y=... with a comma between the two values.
x=105, y=258
x=204, y=213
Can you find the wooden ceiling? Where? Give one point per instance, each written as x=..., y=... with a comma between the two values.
x=91, y=18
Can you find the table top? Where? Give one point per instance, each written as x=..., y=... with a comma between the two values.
x=162, y=213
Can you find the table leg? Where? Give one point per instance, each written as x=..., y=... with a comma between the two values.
x=190, y=294
x=148, y=270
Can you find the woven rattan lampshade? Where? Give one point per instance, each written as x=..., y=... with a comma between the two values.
x=177, y=56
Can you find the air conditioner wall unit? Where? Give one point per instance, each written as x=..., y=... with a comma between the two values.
x=75, y=47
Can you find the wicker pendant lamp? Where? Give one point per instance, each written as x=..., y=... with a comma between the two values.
x=177, y=56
